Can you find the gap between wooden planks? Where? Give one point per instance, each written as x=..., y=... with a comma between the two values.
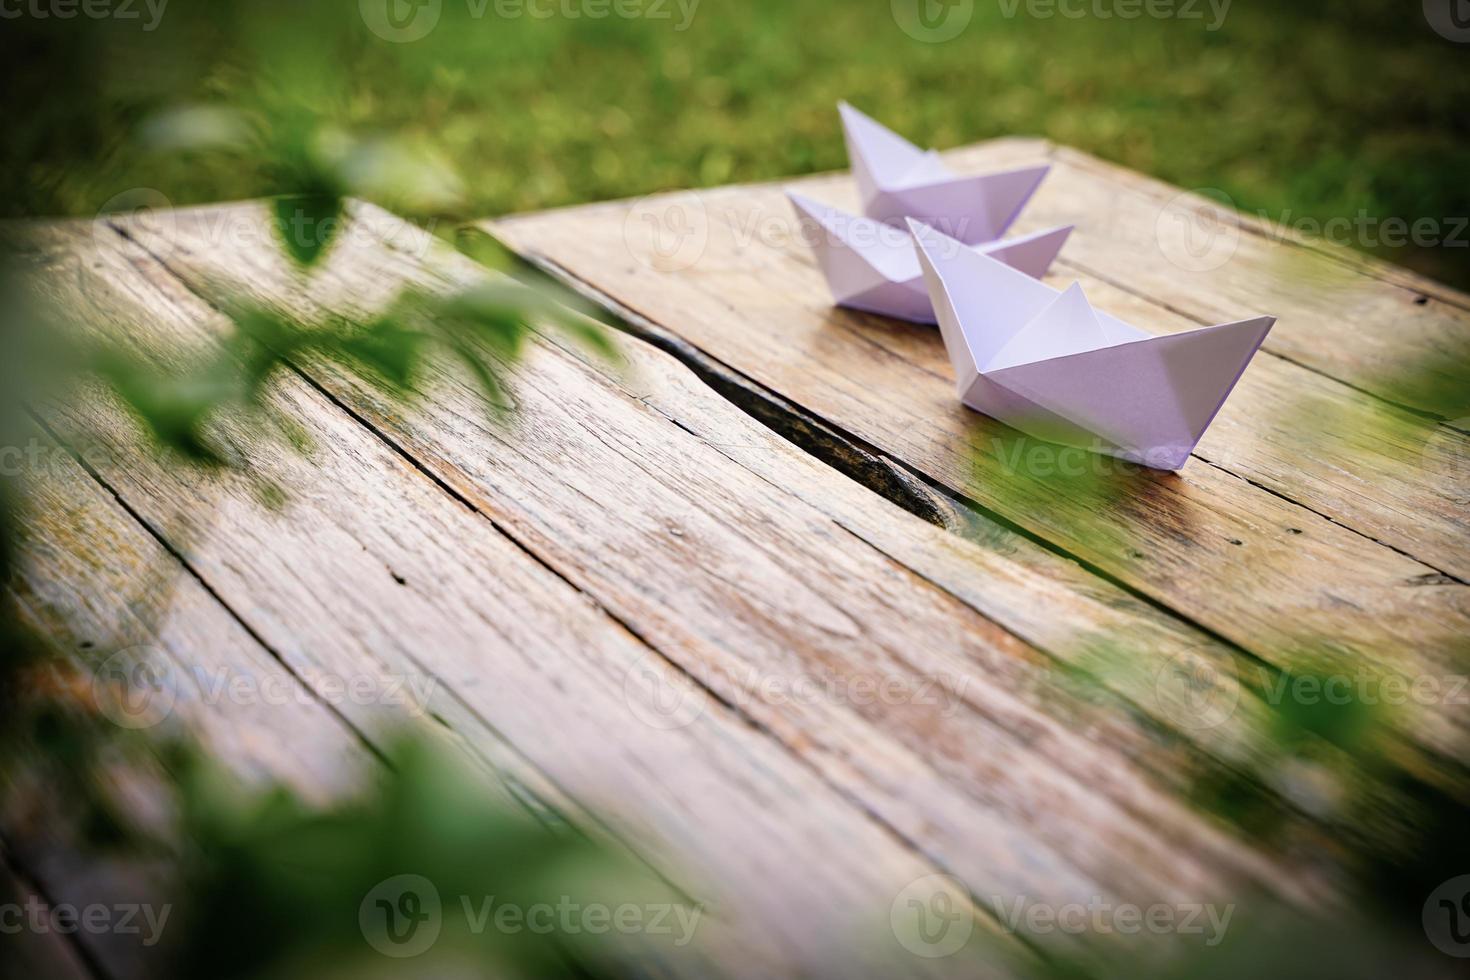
x=1320, y=528
x=1019, y=583
x=1140, y=645
x=1374, y=472
x=716, y=802
x=1014, y=774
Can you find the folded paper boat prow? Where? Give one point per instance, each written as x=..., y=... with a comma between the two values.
x=898, y=180
x=1057, y=368
x=871, y=266
x=881, y=159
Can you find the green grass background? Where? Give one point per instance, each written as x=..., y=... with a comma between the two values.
x=1295, y=109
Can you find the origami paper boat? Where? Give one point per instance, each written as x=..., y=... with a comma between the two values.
x=897, y=180
x=872, y=266
x=1049, y=364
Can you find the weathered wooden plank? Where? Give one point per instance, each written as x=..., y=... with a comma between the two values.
x=92, y=581
x=1300, y=590
x=1395, y=335
x=1388, y=473
x=103, y=593
x=742, y=582
x=373, y=563
x=1125, y=644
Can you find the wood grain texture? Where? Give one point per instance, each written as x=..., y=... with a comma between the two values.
x=753, y=590
x=1270, y=539
x=1388, y=473
x=373, y=569
x=1350, y=317
x=98, y=586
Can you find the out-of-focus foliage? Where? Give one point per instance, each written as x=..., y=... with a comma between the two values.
x=1310, y=110
x=482, y=327
x=268, y=886
x=308, y=881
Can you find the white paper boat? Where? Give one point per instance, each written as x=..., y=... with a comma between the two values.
x=897, y=180
x=873, y=267
x=1049, y=364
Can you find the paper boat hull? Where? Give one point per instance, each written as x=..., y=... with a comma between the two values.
x=1146, y=399
x=872, y=267
x=898, y=180
x=971, y=210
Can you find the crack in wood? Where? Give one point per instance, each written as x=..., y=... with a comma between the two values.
x=842, y=451
x=535, y=803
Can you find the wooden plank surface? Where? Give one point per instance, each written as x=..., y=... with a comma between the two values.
x=659, y=619
x=375, y=566
x=1363, y=322
x=1320, y=527
x=98, y=586
x=707, y=545
x=741, y=583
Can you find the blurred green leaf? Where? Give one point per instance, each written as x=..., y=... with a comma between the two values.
x=306, y=224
